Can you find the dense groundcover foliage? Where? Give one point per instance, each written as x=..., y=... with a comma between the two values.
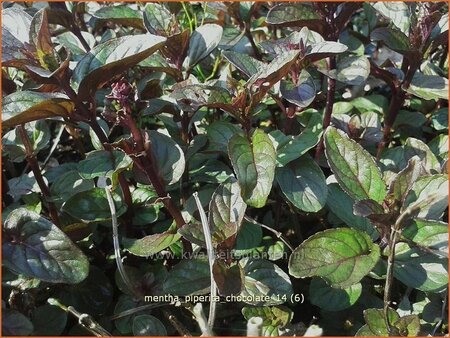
x=285, y=163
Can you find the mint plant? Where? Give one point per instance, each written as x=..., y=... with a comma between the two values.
x=232, y=169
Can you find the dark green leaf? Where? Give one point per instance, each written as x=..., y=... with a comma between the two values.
x=71, y=42
x=52, y=173
x=265, y=279
x=420, y=270
x=103, y=163
x=272, y=73
x=229, y=279
x=69, y=184
x=189, y=277
x=33, y=202
x=49, y=320
x=219, y=134
x=407, y=118
x=415, y=147
x=190, y=206
x=124, y=303
x=392, y=161
x=365, y=331
x=291, y=13
x=92, y=205
x=168, y=156
x=245, y=10
x=393, y=38
x=245, y=63
x=144, y=195
x=302, y=182
x=432, y=234
x=331, y=299
x=193, y=232
x=371, y=103
x=248, y=238
x=197, y=143
x=354, y=168
x=38, y=133
x=151, y=244
x=22, y=185
x=303, y=93
x=342, y=257
x=15, y=28
x=25, y=106
x=408, y=326
x=203, y=41
x=226, y=206
x=254, y=164
x=430, y=194
x=39, y=249
x=145, y=214
x=398, y=12
x=135, y=277
x=439, y=119
x=404, y=180
x=352, y=70
x=159, y=63
x=92, y=296
x=212, y=171
x=98, y=145
x=111, y=58
x=439, y=147
x=193, y=97
x=367, y=208
x=341, y=205
x=376, y=322
x=429, y=87
x=354, y=45
x=324, y=49
x=158, y=106
x=147, y=325
x=290, y=148
x=121, y=15
x=157, y=18
x=15, y=324
x=231, y=36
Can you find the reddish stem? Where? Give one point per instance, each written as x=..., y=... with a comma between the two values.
x=149, y=166
x=329, y=106
x=32, y=161
x=333, y=33
x=397, y=101
x=249, y=36
x=91, y=118
x=147, y=163
x=124, y=186
x=398, y=97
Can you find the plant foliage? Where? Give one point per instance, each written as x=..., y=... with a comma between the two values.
x=224, y=168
